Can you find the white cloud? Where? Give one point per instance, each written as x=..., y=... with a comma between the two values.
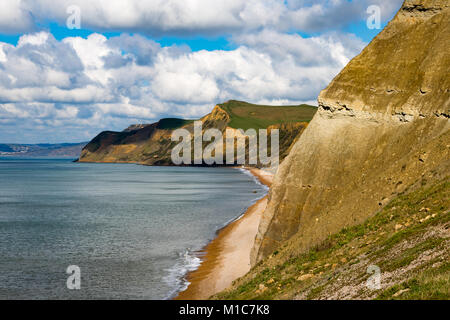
x=3, y=58
x=162, y=17
x=81, y=86
x=59, y=83
x=34, y=39
x=14, y=17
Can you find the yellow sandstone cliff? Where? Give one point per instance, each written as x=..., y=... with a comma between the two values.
x=381, y=130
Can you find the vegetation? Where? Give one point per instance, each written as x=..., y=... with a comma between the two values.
x=246, y=115
x=408, y=239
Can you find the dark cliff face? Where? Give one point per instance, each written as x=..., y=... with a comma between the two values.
x=382, y=128
x=151, y=144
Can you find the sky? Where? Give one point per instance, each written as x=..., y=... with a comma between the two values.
x=70, y=69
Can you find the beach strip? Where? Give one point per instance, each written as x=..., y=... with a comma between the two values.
x=227, y=257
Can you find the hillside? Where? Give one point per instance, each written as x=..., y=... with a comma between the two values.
x=244, y=115
x=151, y=144
x=377, y=147
x=409, y=240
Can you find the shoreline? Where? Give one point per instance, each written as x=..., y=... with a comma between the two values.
x=231, y=246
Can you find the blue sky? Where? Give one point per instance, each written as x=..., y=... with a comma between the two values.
x=138, y=61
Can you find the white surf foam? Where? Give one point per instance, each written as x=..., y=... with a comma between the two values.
x=176, y=278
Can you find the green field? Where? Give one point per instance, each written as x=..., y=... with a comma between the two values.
x=246, y=115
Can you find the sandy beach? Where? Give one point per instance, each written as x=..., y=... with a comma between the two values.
x=227, y=257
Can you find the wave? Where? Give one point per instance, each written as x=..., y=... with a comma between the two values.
x=248, y=173
x=187, y=262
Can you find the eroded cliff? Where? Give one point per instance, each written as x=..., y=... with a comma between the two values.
x=381, y=130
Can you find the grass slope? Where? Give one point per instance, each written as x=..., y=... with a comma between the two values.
x=246, y=115
x=409, y=240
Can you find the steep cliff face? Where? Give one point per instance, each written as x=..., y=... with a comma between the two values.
x=151, y=144
x=382, y=128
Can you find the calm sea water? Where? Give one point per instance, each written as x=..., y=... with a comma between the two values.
x=133, y=230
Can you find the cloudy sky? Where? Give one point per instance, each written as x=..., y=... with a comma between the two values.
x=137, y=61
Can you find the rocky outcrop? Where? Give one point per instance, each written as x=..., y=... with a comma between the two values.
x=382, y=128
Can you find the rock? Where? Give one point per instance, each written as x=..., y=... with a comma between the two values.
x=305, y=277
x=423, y=157
x=399, y=293
x=357, y=132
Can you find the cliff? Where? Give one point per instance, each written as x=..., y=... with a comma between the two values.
x=367, y=183
x=151, y=144
x=382, y=126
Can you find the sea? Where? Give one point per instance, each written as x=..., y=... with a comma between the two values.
x=110, y=231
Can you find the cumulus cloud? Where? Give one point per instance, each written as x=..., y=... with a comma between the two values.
x=15, y=17
x=317, y=16
x=96, y=83
x=162, y=17
x=80, y=86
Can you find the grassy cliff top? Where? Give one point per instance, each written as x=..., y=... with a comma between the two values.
x=244, y=115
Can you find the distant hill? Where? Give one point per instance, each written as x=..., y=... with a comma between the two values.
x=244, y=115
x=60, y=150
x=151, y=143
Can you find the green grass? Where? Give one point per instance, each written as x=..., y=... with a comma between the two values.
x=246, y=115
x=432, y=284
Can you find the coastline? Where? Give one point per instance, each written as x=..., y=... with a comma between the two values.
x=231, y=247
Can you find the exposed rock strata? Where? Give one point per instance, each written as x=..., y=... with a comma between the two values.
x=382, y=126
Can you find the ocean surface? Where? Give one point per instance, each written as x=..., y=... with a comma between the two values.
x=134, y=231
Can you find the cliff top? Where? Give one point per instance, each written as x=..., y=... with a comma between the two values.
x=244, y=115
